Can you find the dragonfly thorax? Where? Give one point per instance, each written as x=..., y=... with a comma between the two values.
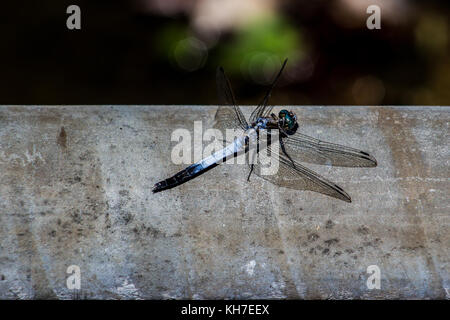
x=286, y=122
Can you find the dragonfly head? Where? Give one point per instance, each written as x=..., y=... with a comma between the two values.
x=287, y=121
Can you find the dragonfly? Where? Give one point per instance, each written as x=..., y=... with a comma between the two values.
x=293, y=147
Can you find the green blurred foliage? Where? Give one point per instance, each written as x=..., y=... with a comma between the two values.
x=260, y=43
x=168, y=37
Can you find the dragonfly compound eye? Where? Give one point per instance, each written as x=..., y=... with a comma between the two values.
x=289, y=119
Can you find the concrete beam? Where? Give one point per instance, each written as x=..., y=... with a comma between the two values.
x=82, y=196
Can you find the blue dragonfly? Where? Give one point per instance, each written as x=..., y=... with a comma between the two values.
x=294, y=147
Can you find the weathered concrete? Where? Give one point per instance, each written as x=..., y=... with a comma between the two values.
x=81, y=196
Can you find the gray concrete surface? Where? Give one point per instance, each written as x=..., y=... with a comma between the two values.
x=82, y=196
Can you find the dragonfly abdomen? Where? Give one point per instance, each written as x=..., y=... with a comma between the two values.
x=181, y=177
x=200, y=167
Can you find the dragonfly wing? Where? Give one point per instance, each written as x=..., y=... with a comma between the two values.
x=226, y=119
x=229, y=115
x=295, y=176
x=263, y=110
x=307, y=149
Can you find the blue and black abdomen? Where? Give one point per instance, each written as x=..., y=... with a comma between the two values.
x=181, y=177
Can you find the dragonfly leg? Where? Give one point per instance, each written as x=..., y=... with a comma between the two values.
x=250, y=173
x=284, y=150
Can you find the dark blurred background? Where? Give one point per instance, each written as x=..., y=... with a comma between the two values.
x=167, y=52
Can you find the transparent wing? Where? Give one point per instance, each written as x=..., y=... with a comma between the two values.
x=263, y=110
x=295, y=176
x=229, y=115
x=303, y=148
x=225, y=120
